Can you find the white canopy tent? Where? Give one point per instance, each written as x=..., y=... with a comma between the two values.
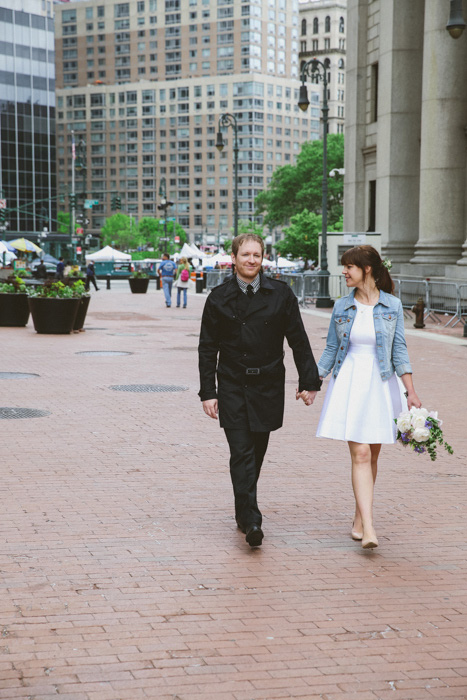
x=283, y=262
x=108, y=254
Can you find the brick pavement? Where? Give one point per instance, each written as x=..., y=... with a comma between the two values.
x=122, y=575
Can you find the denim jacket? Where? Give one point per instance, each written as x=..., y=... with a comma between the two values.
x=391, y=348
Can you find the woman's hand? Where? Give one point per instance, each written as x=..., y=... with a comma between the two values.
x=413, y=401
x=307, y=396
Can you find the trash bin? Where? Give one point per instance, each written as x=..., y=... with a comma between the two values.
x=158, y=282
x=205, y=279
x=199, y=283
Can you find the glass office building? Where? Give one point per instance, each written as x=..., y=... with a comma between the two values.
x=27, y=117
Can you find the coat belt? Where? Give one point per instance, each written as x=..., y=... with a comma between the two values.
x=251, y=371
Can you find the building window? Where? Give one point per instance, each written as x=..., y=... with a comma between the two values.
x=327, y=24
x=372, y=206
x=303, y=46
x=327, y=44
x=374, y=93
x=315, y=25
x=315, y=44
x=341, y=25
x=303, y=27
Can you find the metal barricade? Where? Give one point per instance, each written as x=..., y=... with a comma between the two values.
x=295, y=283
x=462, y=296
x=444, y=299
x=215, y=277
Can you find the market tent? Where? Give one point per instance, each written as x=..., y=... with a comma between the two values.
x=283, y=262
x=45, y=258
x=187, y=252
x=8, y=246
x=221, y=258
x=6, y=255
x=108, y=254
x=197, y=253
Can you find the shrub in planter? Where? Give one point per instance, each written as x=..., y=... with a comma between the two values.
x=139, y=282
x=14, y=309
x=54, y=307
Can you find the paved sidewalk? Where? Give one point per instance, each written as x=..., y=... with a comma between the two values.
x=123, y=577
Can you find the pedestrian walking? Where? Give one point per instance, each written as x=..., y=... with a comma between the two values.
x=91, y=277
x=41, y=271
x=366, y=353
x=167, y=270
x=244, y=324
x=60, y=270
x=182, y=281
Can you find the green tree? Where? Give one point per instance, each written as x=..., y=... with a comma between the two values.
x=244, y=226
x=301, y=237
x=120, y=231
x=151, y=231
x=294, y=188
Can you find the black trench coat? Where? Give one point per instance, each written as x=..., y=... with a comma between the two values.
x=244, y=345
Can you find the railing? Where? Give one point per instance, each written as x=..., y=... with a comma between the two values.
x=449, y=298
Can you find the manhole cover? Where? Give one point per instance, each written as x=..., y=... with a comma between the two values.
x=17, y=375
x=11, y=413
x=132, y=335
x=95, y=329
x=103, y=353
x=147, y=388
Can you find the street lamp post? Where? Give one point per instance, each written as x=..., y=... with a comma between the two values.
x=80, y=167
x=318, y=70
x=230, y=120
x=163, y=206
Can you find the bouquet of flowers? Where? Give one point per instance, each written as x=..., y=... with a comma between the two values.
x=421, y=430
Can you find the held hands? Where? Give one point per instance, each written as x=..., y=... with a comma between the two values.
x=307, y=396
x=210, y=408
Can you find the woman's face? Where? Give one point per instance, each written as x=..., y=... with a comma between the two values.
x=354, y=275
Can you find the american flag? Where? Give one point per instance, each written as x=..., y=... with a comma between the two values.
x=73, y=148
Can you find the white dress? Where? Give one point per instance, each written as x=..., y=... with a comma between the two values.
x=359, y=405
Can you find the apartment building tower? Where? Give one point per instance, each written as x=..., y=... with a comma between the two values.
x=144, y=82
x=322, y=36
x=27, y=117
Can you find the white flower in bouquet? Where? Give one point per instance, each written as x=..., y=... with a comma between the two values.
x=421, y=434
x=404, y=422
x=419, y=416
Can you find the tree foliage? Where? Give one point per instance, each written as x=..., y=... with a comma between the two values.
x=244, y=226
x=294, y=188
x=121, y=231
x=301, y=237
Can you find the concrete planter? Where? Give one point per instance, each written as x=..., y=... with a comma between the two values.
x=55, y=316
x=14, y=309
x=139, y=285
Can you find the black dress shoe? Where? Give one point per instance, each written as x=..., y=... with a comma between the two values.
x=254, y=536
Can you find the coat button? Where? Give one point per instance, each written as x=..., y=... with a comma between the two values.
x=246, y=386
x=243, y=323
x=342, y=347
x=348, y=320
x=345, y=335
x=354, y=307
x=340, y=320
x=339, y=362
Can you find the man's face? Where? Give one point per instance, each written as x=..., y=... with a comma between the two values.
x=248, y=260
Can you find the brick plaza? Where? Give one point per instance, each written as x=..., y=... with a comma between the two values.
x=122, y=575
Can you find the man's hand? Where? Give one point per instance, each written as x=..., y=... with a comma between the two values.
x=307, y=396
x=210, y=408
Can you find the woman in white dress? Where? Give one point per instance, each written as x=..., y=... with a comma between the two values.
x=367, y=357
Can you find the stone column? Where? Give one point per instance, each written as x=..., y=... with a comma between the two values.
x=355, y=115
x=463, y=260
x=399, y=113
x=442, y=158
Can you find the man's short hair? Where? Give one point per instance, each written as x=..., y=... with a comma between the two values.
x=166, y=256
x=243, y=238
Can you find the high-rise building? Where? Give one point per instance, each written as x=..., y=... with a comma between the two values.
x=322, y=36
x=143, y=83
x=27, y=116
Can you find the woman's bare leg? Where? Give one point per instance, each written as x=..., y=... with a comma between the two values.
x=364, y=470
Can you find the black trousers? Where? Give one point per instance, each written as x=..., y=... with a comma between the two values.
x=247, y=450
x=89, y=279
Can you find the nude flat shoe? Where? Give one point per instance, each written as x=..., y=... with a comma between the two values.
x=369, y=542
x=355, y=534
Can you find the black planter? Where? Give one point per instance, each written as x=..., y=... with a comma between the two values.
x=139, y=285
x=14, y=309
x=53, y=315
x=81, y=313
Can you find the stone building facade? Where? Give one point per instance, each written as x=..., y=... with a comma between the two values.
x=406, y=118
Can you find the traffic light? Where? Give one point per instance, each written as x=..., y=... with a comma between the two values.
x=72, y=200
x=2, y=215
x=115, y=202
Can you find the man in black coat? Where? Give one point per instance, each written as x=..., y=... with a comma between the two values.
x=245, y=321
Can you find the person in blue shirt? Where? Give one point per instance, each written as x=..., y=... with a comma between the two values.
x=60, y=270
x=167, y=270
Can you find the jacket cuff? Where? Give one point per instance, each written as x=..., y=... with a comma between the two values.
x=207, y=395
x=323, y=372
x=403, y=369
